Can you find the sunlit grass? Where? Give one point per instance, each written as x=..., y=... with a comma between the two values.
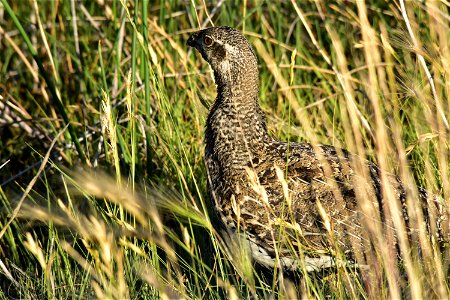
x=368, y=77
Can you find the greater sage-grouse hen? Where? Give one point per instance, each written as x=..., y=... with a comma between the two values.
x=293, y=202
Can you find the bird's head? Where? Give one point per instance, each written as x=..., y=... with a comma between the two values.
x=227, y=51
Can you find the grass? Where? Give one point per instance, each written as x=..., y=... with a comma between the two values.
x=97, y=88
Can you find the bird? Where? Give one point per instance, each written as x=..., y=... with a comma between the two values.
x=294, y=203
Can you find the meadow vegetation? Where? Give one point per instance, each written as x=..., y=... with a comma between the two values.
x=102, y=106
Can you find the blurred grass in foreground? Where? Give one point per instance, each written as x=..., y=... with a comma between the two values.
x=371, y=77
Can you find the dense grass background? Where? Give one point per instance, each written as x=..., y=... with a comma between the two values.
x=110, y=87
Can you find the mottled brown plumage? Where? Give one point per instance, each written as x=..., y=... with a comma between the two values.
x=278, y=194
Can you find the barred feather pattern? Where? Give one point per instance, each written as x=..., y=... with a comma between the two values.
x=281, y=196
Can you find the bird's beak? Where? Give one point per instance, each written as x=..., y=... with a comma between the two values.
x=193, y=40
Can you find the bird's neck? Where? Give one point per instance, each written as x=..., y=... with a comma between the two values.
x=237, y=98
x=238, y=87
x=235, y=129
x=237, y=80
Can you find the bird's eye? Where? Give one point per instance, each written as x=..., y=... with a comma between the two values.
x=207, y=41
